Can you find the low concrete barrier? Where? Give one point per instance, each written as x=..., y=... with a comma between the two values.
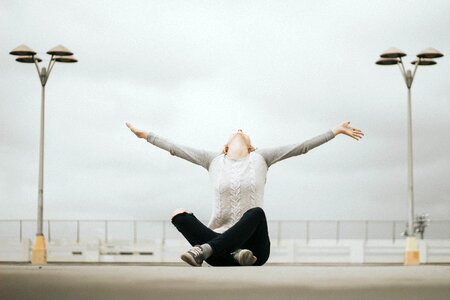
x=122, y=251
x=69, y=251
x=13, y=250
x=282, y=251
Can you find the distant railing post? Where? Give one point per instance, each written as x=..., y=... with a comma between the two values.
x=338, y=229
x=78, y=231
x=163, y=242
x=48, y=229
x=134, y=232
x=20, y=234
x=393, y=232
x=307, y=232
x=278, y=232
x=366, y=231
x=106, y=231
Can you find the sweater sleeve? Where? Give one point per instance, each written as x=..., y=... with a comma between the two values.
x=199, y=157
x=276, y=154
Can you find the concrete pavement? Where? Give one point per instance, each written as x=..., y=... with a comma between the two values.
x=108, y=282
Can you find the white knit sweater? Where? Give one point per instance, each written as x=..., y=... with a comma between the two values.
x=238, y=183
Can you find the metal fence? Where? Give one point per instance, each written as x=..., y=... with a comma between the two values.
x=150, y=230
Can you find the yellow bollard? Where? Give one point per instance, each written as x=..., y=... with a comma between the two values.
x=411, y=252
x=39, y=253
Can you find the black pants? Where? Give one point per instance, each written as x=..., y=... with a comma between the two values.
x=250, y=232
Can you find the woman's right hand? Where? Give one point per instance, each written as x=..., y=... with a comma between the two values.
x=139, y=133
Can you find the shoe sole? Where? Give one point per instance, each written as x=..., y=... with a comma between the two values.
x=246, y=258
x=189, y=259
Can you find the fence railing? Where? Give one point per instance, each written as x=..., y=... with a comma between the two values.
x=149, y=230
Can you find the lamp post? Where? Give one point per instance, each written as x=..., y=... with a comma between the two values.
x=393, y=56
x=26, y=55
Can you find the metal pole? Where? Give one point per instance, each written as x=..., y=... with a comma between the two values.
x=41, y=167
x=412, y=253
x=39, y=253
x=410, y=168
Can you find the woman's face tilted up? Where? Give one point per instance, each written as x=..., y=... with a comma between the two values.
x=238, y=141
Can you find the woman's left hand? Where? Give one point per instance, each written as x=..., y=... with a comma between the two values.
x=346, y=129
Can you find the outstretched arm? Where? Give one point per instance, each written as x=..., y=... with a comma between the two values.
x=273, y=155
x=200, y=157
x=346, y=129
x=139, y=133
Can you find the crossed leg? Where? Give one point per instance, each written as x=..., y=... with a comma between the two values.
x=250, y=232
x=196, y=233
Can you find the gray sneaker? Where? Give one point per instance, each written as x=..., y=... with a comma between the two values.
x=194, y=256
x=244, y=257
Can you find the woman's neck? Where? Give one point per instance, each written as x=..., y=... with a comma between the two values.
x=237, y=149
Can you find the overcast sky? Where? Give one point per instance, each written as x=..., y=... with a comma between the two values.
x=194, y=72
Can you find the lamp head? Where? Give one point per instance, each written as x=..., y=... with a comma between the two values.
x=60, y=50
x=30, y=59
x=393, y=53
x=429, y=53
x=65, y=59
x=387, y=61
x=424, y=62
x=22, y=50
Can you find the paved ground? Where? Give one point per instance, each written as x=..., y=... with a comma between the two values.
x=59, y=281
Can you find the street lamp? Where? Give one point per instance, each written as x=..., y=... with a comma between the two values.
x=393, y=56
x=26, y=55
